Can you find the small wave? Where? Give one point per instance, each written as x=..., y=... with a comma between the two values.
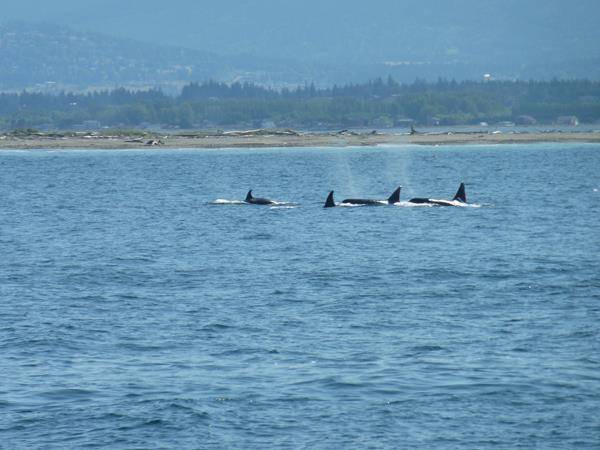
x=187, y=407
x=139, y=347
x=258, y=237
x=521, y=350
x=284, y=206
x=67, y=394
x=280, y=292
x=155, y=423
x=427, y=348
x=330, y=382
x=216, y=327
x=580, y=334
x=5, y=404
x=6, y=150
x=239, y=352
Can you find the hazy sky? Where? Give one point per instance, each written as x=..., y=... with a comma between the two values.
x=319, y=30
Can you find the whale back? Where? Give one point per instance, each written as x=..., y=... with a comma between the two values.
x=361, y=201
x=257, y=200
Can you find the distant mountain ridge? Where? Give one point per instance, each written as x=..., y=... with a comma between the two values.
x=289, y=43
x=46, y=57
x=46, y=54
x=508, y=35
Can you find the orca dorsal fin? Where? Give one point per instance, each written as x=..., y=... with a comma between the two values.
x=329, y=203
x=461, y=195
x=395, y=197
x=249, y=195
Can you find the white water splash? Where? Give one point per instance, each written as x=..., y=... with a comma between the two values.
x=284, y=206
x=222, y=201
x=349, y=205
x=406, y=204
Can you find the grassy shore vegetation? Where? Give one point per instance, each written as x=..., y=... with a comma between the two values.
x=378, y=103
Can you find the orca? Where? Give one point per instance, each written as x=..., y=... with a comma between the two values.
x=394, y=198
x=257, y=200
x=459, y=199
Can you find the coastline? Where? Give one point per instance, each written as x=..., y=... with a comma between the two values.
x=265, y=139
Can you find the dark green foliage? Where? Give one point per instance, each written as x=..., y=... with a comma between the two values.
x=377, y=103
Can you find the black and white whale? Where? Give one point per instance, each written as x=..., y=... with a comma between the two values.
x=460, y=199
x=394, y=198
x=258, y=200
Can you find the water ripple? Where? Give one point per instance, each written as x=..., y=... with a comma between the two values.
x=135, y=313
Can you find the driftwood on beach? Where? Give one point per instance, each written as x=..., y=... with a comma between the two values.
x=277, y=138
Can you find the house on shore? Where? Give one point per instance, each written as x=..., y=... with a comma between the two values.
x=525, y=120
x=571, y=121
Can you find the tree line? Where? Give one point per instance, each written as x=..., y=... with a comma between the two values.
x=377, y=103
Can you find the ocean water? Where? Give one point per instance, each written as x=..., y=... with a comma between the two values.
x=143, y=307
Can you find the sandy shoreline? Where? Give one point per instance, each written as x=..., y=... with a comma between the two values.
x=249, y=140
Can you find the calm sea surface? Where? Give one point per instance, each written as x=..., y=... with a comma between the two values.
x=137, y=312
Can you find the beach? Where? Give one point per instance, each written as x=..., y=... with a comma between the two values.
x=265, y=138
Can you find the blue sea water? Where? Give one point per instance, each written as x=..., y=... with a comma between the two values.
x=135, y=312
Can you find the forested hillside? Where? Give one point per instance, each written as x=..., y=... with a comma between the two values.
x=380, y=103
